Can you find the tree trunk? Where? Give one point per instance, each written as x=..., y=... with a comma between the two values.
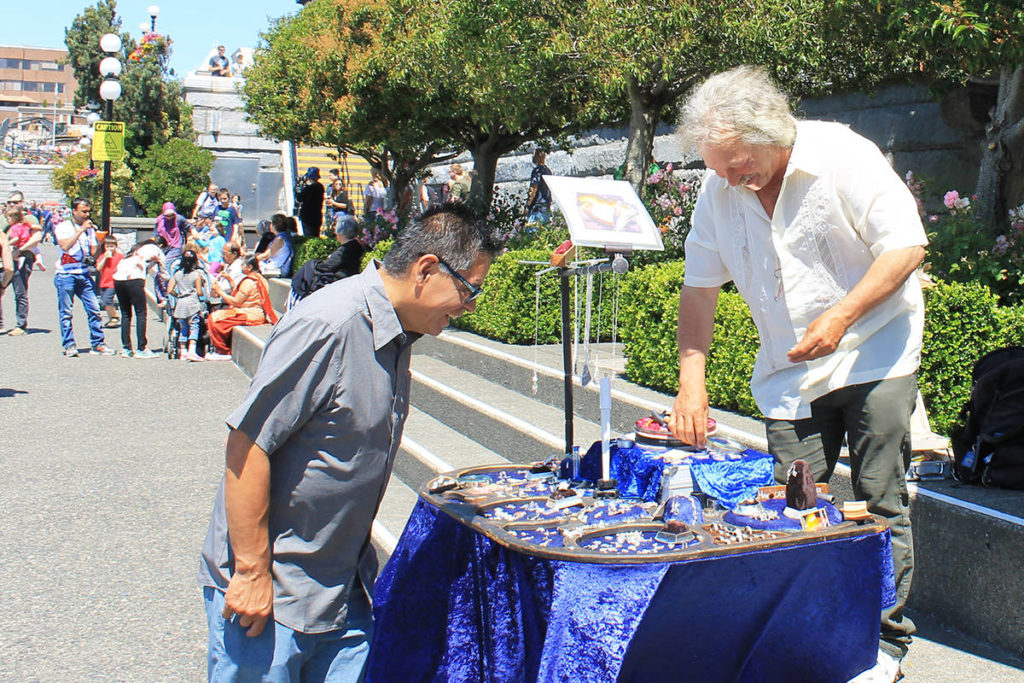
x=485, y=166
x=643, y=120
x=1002, y=162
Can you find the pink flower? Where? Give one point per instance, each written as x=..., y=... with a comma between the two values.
x=933, y=219
x=678, y=211
x=950, y=199
x=668, y=169
x=684, y=188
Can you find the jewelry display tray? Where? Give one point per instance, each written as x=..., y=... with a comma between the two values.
x=579, y=540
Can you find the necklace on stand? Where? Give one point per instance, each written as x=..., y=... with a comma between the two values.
x=576, y=325
x=585, y=374
x=616, y=286
x=536, y=334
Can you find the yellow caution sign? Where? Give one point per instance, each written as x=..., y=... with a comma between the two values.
x=108, y=141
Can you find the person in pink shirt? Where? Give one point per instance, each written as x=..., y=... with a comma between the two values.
x=23, y=237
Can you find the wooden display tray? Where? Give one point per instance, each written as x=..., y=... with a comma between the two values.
x=574, y=529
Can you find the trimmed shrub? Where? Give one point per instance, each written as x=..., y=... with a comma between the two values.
x=648, y=315
x=379, y=251
x=649, y=318
x=507, y=310
x=963, y=321
x=307, y=248
x=173, y=172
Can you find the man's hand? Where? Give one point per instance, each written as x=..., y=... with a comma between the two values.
x=821, y=338
x=688, y=421
x=250, y=596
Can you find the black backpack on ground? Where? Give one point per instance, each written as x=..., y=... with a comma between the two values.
x=988, y=443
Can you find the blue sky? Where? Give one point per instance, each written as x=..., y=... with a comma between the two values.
x=193, y=27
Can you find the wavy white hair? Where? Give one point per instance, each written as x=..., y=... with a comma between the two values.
x=740, y=104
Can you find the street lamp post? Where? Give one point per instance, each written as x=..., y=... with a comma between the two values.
x=154, y=12
x=110, y=90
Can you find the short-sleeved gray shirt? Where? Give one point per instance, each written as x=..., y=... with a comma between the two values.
x=328, y=403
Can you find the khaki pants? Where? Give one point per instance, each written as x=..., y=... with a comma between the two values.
x=875, y=419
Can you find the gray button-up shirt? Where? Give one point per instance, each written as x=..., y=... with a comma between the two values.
x=328, y=403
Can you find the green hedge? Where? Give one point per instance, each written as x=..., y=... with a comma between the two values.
x=649, y=315
x=963, y=321
x=307, y=248
x=507, y=310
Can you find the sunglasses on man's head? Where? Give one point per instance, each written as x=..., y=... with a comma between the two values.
x=474, y=291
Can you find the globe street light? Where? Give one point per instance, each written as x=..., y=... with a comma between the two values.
x=154, y=11
x=110, y=90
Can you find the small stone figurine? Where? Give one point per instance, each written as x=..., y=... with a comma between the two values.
x=801, y=494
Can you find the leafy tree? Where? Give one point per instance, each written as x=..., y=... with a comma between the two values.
x=492, y=75
x=172, y=172
x=653, y=52
x=151, y=105
x=83, y=42
x=966, y=39
x=322, y=77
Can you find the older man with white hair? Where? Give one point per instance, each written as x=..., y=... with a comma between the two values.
x=821, y=238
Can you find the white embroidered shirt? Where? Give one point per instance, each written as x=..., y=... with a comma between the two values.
x=840, y=206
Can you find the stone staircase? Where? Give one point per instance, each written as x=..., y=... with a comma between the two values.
x=33, y=180
x=473, y=403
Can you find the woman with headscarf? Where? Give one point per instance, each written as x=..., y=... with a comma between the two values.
x=174, y=229
x=248, y=304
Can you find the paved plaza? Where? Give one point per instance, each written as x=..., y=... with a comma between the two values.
x=108, y=468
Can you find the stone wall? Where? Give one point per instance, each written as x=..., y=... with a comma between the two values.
x=248, y=164
x=905, y=121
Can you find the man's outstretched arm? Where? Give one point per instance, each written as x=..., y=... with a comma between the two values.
x=250, y=593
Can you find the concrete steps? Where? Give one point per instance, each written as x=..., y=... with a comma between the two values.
x=474, y=404
x=33, y=180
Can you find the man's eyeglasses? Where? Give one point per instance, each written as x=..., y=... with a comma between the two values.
x=474, y=291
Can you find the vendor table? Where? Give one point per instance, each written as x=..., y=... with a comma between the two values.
x=461, y=602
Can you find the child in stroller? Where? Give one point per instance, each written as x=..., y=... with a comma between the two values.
x=186, y=294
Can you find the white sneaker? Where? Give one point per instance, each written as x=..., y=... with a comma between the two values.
x=126, y=353
x=211, y=355
x=885, y=670
x=146, y=353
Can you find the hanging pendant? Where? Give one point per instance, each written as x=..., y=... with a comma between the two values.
x=586, y=375
x=536, y=335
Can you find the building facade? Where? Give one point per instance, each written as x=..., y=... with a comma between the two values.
x=35, y=77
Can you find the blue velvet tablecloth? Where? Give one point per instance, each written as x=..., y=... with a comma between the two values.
x=452, y=605
x=639, y=472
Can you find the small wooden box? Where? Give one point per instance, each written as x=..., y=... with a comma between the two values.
x=564, y=259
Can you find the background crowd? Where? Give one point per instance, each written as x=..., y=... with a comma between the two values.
x=207, y=275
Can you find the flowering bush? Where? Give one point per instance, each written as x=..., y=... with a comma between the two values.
x=507, y=217
x=76, y=179
x=382, y=225
x=962, y=248
x=669, y=196
x=150, y=43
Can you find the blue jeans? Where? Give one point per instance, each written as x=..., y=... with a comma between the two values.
x=20, y=286
x=539, y=214
x=82, y=286
x=281, y=655
x=188, y=328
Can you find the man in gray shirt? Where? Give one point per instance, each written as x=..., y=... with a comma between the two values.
x=287, y=560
